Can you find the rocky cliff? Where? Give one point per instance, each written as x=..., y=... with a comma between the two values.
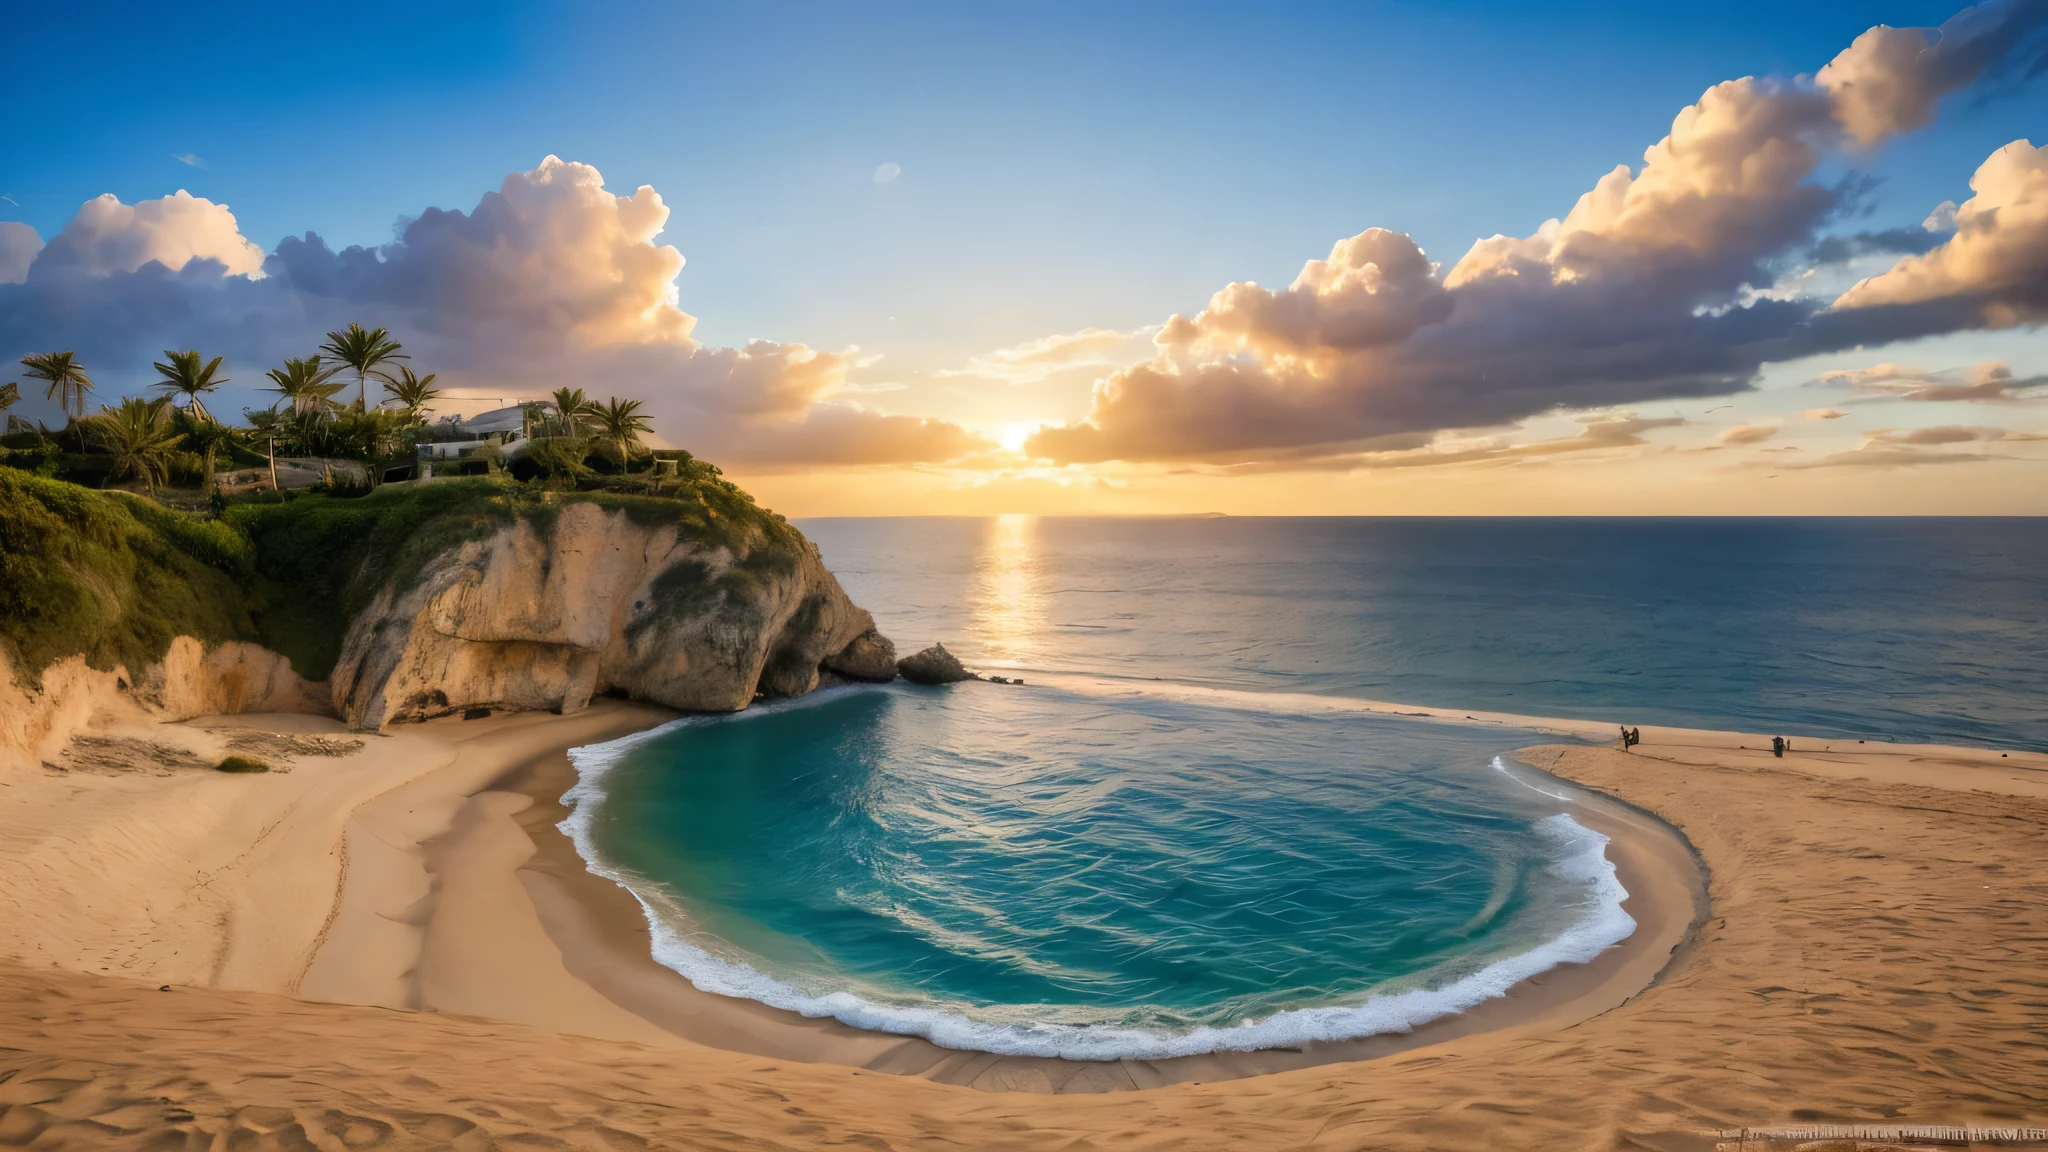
x=549, y=613
x=408, y=603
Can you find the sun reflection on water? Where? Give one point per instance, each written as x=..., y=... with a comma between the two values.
x=1009, y=604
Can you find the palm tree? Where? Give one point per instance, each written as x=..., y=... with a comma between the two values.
x=306, y=384
x=66, y=378
x=621, y=420
x=363, y=349
x=138, y=435
x=412, y=391
x=572, y=409
x=9, y=395
x=187, y=376
x=206, y=437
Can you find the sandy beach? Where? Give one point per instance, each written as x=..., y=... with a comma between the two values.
x=390, y=945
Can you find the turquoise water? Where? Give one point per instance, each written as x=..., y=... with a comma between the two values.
x=1049, y=872
x=1180, y=838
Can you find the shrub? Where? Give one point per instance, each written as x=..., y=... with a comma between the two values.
x=560, y=457
x=241, y=764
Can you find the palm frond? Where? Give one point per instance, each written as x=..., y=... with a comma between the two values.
x=139, y=436
x=65, y=377
x=414, y=392
x=364, y=349
x=190, y=375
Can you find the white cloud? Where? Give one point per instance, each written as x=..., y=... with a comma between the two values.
x=1948, y=434
x=188, y=159
x=1996, y=264
x=1034, y=360
x=549, y=280
x=107, y=236
x=1599, y=436
x=1991, y=381
x=1749, y=434
x=1889, y=80
x=887, y=173
x=19, y=244
x=1657, y=284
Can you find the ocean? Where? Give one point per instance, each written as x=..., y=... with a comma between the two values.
x=1930, y=630
x=1163, y=844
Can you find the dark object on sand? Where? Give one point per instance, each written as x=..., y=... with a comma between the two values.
x=475, y=713
x=1778, y=746
x=241, y=764
x=934, y=665
x=1630, y=737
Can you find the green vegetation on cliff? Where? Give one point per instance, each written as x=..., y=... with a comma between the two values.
x=117, y=577
x=111, y=576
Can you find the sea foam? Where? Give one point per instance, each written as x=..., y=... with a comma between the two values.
x=1578, y=854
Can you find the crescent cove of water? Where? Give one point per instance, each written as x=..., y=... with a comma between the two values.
x=1044, y=872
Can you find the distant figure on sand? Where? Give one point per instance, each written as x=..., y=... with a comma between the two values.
x=1778, y=746
x=1630, y=737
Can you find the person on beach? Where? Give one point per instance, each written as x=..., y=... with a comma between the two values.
x=1630, y=737
x=1778, y=747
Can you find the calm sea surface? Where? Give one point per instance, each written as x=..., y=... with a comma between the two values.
x=1129, y=862
x=1909, y=629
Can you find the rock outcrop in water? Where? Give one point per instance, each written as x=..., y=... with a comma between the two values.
x=934, y=665
x=548, y=617
x=870, y=656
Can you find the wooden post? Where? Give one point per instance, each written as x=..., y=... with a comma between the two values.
x=273, y=464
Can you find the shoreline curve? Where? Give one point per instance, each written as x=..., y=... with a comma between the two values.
x=1829, y=869
x=1555, y=984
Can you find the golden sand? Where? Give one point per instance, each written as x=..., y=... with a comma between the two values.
x=1874, y=950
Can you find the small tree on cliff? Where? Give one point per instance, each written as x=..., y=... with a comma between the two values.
x=365, y=350
x=573, y=410
x=307, y=385
x=139, y=436
x=207, y=437
x=622, y=424
x=65, y=378
x=413, y=392
x=188, y=375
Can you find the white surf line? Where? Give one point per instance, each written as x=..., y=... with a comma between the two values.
x=1581, y=858
x=1500, y=766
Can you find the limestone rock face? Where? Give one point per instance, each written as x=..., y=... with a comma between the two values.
x=934, y=665
x=546, y=618
x=191, y=680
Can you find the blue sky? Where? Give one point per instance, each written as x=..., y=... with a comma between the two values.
x=1061, y=166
